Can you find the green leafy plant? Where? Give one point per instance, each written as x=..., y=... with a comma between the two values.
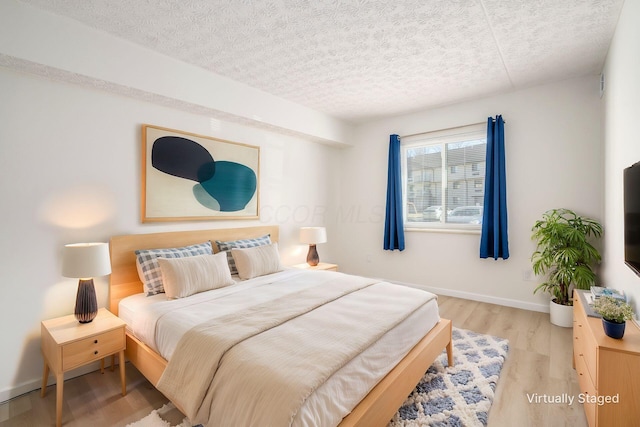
x=564, y=253
x=613, y=310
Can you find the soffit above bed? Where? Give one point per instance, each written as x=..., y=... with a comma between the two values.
x=357, y=60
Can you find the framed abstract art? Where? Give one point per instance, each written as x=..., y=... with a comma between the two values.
x=194, y=177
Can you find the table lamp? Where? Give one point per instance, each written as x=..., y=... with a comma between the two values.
x=84, y=261
x=312, y=236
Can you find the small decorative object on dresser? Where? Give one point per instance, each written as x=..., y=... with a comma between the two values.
x=84, y=261
x=313, y=236
x=67, y=345
x=615, y=314
x=608, y=369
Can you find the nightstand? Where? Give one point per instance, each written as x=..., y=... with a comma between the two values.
x=68, y=344
x=320, y=266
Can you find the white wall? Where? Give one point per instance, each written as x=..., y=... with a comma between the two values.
x=70, y=172
x=554, y=159
x=622, y=143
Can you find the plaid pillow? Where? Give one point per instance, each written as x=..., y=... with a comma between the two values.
x=241, y=244
x=149, y=269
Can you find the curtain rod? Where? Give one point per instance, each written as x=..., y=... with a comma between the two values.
x=440, y=130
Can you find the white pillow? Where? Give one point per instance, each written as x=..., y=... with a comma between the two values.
x=182, y=277
x=258, y=261
x=149, y=270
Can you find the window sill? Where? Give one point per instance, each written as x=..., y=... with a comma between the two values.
x=448, y=230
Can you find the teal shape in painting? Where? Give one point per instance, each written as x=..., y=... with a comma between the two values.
x=232, y=186
x=204, y=198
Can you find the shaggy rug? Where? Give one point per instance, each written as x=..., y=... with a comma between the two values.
x=460, y=395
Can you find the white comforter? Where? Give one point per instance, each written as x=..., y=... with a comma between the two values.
x=327, y=406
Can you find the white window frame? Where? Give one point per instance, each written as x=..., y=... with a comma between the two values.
x=439, y=138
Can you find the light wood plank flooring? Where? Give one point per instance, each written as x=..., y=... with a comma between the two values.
x=539, y=361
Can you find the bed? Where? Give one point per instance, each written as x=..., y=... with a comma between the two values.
x=374, y=409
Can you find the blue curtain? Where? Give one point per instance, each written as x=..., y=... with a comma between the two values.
x=494, y=241
x=393, y=226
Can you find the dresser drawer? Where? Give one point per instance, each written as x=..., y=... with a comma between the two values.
x=587, y=388
x=584, y=344
x=93, y=348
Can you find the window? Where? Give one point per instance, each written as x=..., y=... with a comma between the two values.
x=443, y=178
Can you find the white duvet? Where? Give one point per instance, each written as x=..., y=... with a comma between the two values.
x=161, y=324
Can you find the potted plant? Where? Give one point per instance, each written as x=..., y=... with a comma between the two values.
x=615, y=314
x=565, y=254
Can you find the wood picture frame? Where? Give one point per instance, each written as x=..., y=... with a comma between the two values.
x=188, y=177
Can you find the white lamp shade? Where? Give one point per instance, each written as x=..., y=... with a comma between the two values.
x=86, y=260
x=313, y=235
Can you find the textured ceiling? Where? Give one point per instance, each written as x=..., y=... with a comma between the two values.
x=361, y=59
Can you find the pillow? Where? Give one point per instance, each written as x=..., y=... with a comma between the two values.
x=258, y=261
x=245, y=243
x=149, y=270
x=182, y=277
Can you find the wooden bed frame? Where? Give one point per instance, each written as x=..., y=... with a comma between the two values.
x=376, y=409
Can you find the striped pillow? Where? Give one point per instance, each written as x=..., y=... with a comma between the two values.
x=183, y=277
x=241, y=244
x=258, y=261
x=149, y=269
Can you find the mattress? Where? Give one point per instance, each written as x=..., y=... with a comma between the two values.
x=160, y=324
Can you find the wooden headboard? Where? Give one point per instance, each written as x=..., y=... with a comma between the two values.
x=124, y=279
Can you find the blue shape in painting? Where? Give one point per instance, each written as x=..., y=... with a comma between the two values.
x=233, y=185
x=222, y=186
x=183, y=158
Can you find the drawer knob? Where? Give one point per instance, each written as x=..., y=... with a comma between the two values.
x=95, y=352
x=95, y=342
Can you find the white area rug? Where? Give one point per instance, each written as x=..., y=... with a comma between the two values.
x=162, y=418
x=460, y=395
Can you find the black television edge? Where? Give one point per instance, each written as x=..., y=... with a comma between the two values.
x=631, y=180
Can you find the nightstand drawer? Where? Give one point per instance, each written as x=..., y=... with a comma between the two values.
x=93, y=348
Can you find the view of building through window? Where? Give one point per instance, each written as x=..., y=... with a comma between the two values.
x=444, y=181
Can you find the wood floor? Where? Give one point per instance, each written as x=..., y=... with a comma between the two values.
x=539, y=361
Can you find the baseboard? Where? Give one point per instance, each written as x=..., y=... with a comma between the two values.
x=28, y=386
x=544, y=308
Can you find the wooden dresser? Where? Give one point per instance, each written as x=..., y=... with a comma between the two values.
x=608, y=370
